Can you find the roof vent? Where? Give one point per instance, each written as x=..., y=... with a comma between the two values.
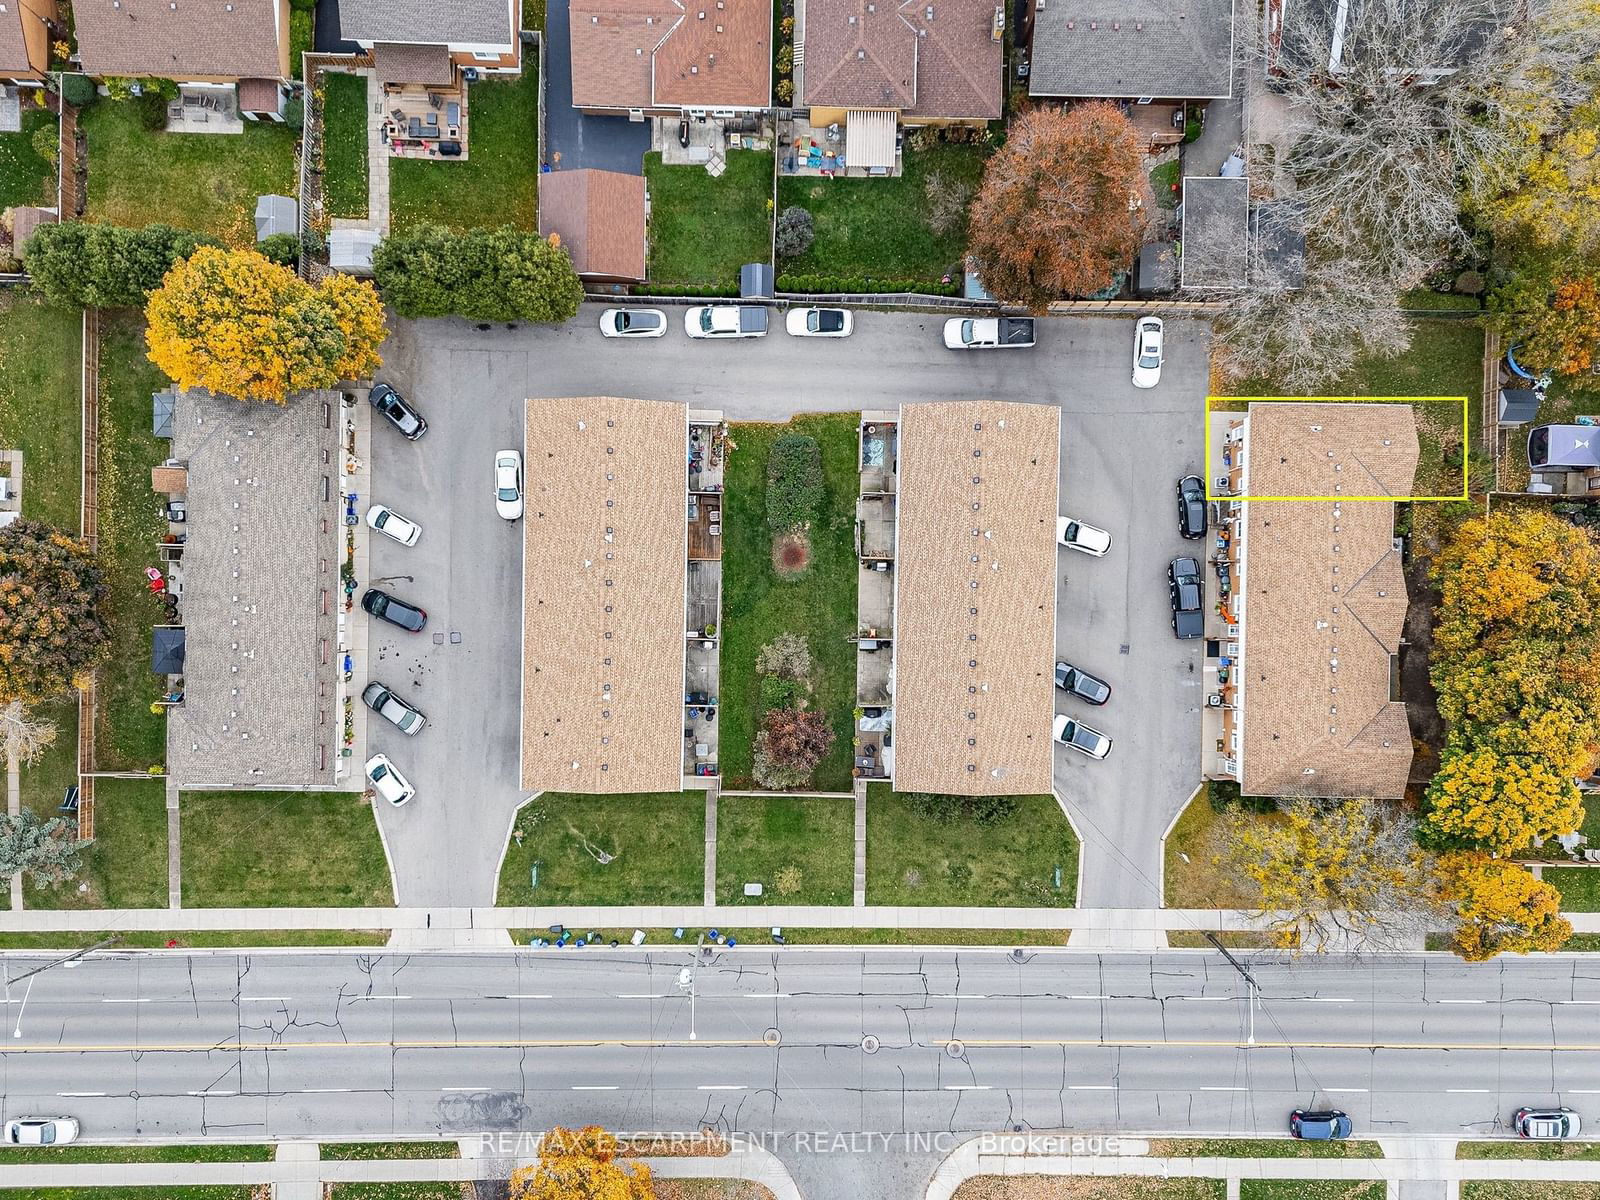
x=1093, y=25
x=702, y=14
x=1116, y=26
x=852, y=18
x=719, y=28
x=692, y=71
x=928, y=12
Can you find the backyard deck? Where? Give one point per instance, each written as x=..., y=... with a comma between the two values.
x=428, y=122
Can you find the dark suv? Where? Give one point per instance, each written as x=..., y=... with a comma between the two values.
x=400, y=414
x=1187, y=594
x=1082, y=684
x=1191, y=507
x=397, y=612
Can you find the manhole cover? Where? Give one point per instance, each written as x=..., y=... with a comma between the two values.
x=870, y=1043
x=955, y=1048
x=772, y=1037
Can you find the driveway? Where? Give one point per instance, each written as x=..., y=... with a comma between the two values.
x=575, y=140
x=1123, y=450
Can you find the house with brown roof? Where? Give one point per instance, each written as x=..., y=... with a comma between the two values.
x=27, y=27
x=230, y=59
x=665, y=57
x=599, y=219
x=428, y=41
x=1304, y=686
x=869, y=65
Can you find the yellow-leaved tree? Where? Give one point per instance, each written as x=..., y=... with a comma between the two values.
x=1499, y=803
x=235, y=323
x=1500, y=907
x=581, y=1164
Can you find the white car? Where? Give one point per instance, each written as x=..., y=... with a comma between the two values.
x=388, y=782
x=41, y=1131
x=1081, y=738
x=725, y=321
x=633, y=322
x=1087, y=539
x=1147, y=353
x=508, y=483
x=391, y=524
x=819, y=322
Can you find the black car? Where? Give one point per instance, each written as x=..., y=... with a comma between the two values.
x=1082, y=684
x=401, y=415
x=1187, y=594
x=397, y=612
x=1191, y=507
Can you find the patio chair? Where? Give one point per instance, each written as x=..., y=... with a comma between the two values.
x=452, y=114
x=399, y=114
x=435, y=100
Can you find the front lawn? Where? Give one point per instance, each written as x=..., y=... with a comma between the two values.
x=203, y=181
x=1261, y=1148
x=1522, y=1148
x=916, y=859
x=208, y=1152
x=703, y=229
x=878, y=227
x=656, y=841
x=197, y=1191
x=1193, y=879
x=126, y=864
x=498, y=184
x=26, y=176
x=1522, y=1189
x=801, y=849
x=363, y=1151
x=238, y=939
x=819, y=604
x=1311, y=1189
x=1088, y=1187
x=344, y=144
x=1579, y=887
x=312, y=849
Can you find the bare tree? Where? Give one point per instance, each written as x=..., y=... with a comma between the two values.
x=26, y=736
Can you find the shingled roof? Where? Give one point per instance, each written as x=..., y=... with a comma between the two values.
x=1324, y=600
x=13, y=46
x=453, y=22
x=180, y=39
x=1216, y=232
x=599, y=216
x=671, y=53
x=1124, y=49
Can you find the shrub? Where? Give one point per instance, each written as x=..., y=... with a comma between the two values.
x=777, y=691
x=78, y=90
x=1191, y=130
x=281, y=248
x=105, y=266
x=485, y=275
x=789, y=746
x=796, y=231
x=314, y=243
x=784, y=63
x=294, y=113
x=985, y=810
x=47, y=142
x=786, y=656
x=785, y=91
x=1469, y=283
x=303, y=5
x=948, y=198
x=151, y=110
x=794, y=482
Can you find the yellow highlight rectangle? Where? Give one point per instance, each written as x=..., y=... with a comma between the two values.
x=1464, y=494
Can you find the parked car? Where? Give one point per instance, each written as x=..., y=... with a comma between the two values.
x=508, y=483
x=633, y=323
x=1546, y=1124
x=725, y=321
x=395, y=611
x=1082, y=537
x=1186, y=592
x=41, y=1131
x=388, y=782
x=1323, y=1126
x=1081, y=738
x=393, y=709
x=988, y=333
x=1192, y=507
x=819, y=322
x=1082, y=684
x=1147, y=352
x=390, y=523
x=392, y=405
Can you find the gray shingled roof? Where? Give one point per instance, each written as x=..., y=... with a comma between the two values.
x=1131, y=48
x=1216, y=232
x=262, y=552
x=472, y=22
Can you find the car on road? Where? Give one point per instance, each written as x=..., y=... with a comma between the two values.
x=41, y=1131
x=725, y=321
x=393, y=610
x=1082, y=684
x=1081, y=738
x=1186, y=593
x=508, y=483
x=388, y=782
x=1192, y=507
x=390, y=523
x=1085, y=538
x=1546, y=1124
x=988, y=333
x=392, y=405
x=633, y=323
x=1147, y=352
x=819, y=322
x=1325, y=1125
x=393, y=709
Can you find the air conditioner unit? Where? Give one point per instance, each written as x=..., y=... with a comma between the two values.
x=1220, y=485
x=1214, y=700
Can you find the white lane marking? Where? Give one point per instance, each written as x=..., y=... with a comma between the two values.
x=1468, y=1091
x=1449, y=1001
x=121, y=1000
x=594, y=1087
x=213, y=1093
x=1088, y=997
x=80, y=1093
x=721, y=1087
x=1221, y=1089
x=1091, y=1087
x=1578, y=1001
x=324, y=1089
x=1323, y=999
x=641, y=995
x=1206, y=999
x=1344, y=1089
x=377, y=998
x=527, y=996
x=463, y=1089
x=967, y=1087
x=760, y=996
x=959, y=996
x=1583, y=1091
x=264, y=998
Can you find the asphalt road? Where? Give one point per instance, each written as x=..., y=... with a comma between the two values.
x=1122, y=451
x=332, y=1043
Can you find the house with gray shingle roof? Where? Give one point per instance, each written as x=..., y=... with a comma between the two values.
x=427, y=41
x=1132, y=49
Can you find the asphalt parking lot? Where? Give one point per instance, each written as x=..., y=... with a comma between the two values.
x=1122, y=452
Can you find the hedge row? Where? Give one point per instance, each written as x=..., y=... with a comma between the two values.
x=835, y=285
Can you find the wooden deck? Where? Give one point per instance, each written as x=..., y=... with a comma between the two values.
x=702, y=542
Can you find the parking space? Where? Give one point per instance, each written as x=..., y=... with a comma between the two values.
x=573, y=139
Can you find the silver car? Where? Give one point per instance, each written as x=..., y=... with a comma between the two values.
x=393, y=709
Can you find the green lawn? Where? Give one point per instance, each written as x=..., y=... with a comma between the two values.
x=211, y=1152
x=913, y=859
x=45, y=782
x=400, y=1191
x=820, y=605
x=344, y=144
x=657, y=840
x=1088, y=1187
x=1161, y=180
x=702, y=230
x=126, y=864
x=205, y=182
x=1311, y=1189
x=41, y=350
x=1579, y=887
x=757, y=838
x=349, y=1151
x=302, y=35
x=498, y=184
x=26, y=176
x=199, y=1191
x=1261, y=1148
x=318, y=849
x=1522, y=1148
x=244, y=939
x=878, y=228
x=1544, y=1189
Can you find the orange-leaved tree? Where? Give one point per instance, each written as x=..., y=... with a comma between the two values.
x=1064, y=205
x=581, y=1164
x=235, y=323
x=1500, y=907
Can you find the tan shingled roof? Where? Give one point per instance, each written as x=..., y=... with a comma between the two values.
x=13, y=48
x=600, y=217
x=179, y=39
x=1010, y=693
x=694, y=53
x=604, y=689
x=1324, y=601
